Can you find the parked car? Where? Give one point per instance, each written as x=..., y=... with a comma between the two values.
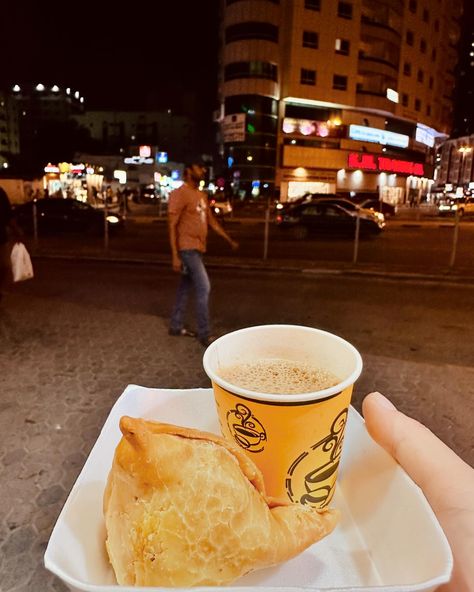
x=463, y=206
x=350, y=206
x=388, y=210
x=370, y=208
x=55, y=215
x=325, y=218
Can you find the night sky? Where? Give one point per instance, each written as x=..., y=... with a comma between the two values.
x=147, y=55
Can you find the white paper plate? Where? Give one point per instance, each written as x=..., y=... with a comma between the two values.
x=388, y=539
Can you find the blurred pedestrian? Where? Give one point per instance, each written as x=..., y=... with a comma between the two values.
x=189, y=217
x=7, y=225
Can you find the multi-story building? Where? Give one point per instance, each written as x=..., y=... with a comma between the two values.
x=9, y=130
x=117, y=131
x=327, y=95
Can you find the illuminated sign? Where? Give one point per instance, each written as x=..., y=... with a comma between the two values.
x=121, y=176
x=161, y=157
x=392, y=95
x=424, y=137
x=144, y=151
x=137, y=160
x=372, y=162
x=378, y=136
x=51, y=169
x=306, y=127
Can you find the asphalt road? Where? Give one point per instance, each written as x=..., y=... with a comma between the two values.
x=421, y=334
x=411, y=245
x=74, y=337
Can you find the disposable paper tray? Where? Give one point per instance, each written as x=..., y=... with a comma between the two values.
x=388, y=538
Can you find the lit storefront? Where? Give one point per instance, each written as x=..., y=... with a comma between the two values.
x=336, y=155
x=76, y=181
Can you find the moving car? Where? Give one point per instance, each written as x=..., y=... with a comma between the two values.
x=325, y=218
x=463, y=206
x=55, y=215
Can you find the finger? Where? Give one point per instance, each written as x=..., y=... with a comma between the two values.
x=428, y=461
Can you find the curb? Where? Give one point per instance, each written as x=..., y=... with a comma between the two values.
x=440, y=278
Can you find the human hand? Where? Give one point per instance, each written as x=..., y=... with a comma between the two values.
x=176, y=263
x=445, y=479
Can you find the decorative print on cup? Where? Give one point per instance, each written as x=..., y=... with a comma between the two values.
x=315, y=486
x=245, y=428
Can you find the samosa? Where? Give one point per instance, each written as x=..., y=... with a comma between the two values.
x=187, y=508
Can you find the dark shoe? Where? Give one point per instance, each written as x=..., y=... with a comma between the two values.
x=206, y=341
x=181, y=332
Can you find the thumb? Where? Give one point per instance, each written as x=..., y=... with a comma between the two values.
x=429, y=462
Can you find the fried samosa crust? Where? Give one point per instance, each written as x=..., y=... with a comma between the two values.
x=186, y=508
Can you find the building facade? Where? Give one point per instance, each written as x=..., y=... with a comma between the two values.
x=117, y=131
x=9, y=130
x=325, y=95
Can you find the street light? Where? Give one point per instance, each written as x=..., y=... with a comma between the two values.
x=463, y=151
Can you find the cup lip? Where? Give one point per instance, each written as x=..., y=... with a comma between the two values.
x=275, y=397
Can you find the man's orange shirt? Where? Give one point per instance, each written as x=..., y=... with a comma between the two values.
x=190, y=206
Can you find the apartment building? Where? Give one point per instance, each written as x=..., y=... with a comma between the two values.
x=327, y=95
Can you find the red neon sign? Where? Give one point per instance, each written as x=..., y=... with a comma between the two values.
x=371, y=162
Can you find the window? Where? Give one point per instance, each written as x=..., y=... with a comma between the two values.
x=433, y=54
x=417, y=105
x=251, y=30
x=422, y=46
x=407, y=69
x=431, y=83
x=342, y=46
x=308, y=77
x=428, y=110
x=312, y=4
x=310, y=39
x=344, y=10
x=420, y=76
x=405, y=100
x=412, y=6
x=426, y=15
x=339, y=82
x=254, y=69
x=410, y=38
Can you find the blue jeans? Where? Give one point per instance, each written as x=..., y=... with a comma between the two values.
x=194, y=275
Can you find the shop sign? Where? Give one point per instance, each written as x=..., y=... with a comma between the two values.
x=424, y=137
x=137, y=160
x=144, y=151
x=378, y=136
x=233, y=128
x=162, y=157
x=305, y=127
x=372, y=162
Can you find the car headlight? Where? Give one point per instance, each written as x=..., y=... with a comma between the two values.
x=113, y=219
x=454, y=207
x=380, y=217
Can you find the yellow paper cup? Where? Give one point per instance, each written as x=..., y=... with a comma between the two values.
x=296, y=439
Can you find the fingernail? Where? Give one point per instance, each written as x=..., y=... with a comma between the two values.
x=382, y=401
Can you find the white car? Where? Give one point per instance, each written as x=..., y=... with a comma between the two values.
x=463, y=206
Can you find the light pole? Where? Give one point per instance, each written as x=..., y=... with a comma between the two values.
x=462, y=151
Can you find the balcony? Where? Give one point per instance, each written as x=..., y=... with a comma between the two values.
x=378, y=30
x=377, y=65
x=369, y=99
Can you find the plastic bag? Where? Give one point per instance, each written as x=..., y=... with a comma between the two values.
x=22, y=268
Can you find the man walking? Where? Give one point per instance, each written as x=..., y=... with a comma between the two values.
x=188, y=219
